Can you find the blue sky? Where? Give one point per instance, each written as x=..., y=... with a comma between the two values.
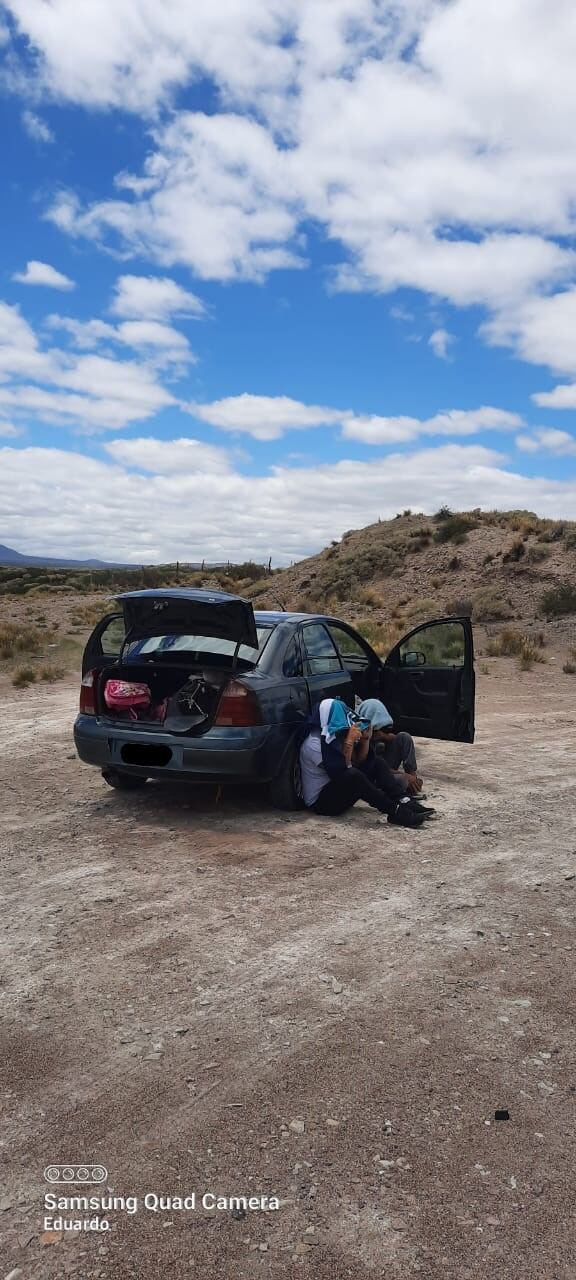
x=274, y=270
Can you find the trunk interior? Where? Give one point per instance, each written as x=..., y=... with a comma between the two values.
x=183, y=697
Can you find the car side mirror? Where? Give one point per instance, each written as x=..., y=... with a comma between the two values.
x=413, y=658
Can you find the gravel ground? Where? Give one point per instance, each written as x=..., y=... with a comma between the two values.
x=216, y=997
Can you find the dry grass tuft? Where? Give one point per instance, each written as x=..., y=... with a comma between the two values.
x=23, y=676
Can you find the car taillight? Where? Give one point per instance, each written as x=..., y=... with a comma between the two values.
x=87, y=706
x=238, y=706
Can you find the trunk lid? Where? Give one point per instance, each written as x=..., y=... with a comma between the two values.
x=171, y=611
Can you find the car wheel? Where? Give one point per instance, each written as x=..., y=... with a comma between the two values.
x=123, y=781
x=286, y=790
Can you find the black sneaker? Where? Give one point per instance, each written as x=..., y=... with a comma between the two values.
x=404, y=815
x=422, y=808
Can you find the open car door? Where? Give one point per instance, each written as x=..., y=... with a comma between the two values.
x=105, y=643
x=427, y=681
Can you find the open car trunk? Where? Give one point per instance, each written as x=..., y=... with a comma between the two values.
x=180, y=649
x=182, y=698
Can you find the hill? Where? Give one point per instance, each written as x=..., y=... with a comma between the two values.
x=8, y=556
x=494, y=566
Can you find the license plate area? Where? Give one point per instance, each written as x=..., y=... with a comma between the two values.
x=147, y=755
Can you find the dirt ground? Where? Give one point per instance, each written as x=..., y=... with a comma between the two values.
x=217, y=997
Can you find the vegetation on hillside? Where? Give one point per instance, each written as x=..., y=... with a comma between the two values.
x=495, y=567
x=18, y=580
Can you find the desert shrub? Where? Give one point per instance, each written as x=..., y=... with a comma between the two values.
x=248, y=569
x=381, y=635
x=458, y=608
x=529, y=654
x=554, y=531
x=569, y=668
x=16, y=639
x=536, y=553
x=370, y=629
x=310, y=604
x=570, y=539
x=490, y=605
x=515, y=552
x=510, y=643
x=455, y=563
x=443, y=513
x=558, y=602
x=454, y=529
x=369, y=596
x=50, y=672
x=23, y=676
x=488, y=559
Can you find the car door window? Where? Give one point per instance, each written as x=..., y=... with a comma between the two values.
x=321, y=655
x=349, y=646
x=112, y=638
x=441, y=645
x=292, y=665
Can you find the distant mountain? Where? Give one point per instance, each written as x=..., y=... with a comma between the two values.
x=11, y=558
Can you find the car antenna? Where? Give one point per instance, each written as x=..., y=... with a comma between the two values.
x=282, y=607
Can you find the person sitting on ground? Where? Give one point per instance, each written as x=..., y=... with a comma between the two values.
x=397, y=750
x=331, y=782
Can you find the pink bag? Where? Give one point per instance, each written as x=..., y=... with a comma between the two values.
x=123, y=695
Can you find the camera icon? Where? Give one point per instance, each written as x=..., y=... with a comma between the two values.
x=71, y=1173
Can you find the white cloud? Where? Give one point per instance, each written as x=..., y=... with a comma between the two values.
x=171, y=457
x=385, y=123
x=8, y=430
x=291, y=512
x=36, y=127
x=161, y=344
x=441, y=342
x=561, y=397
x=422, y=137
x=548, y=439
x=216, y=200
x=153, y=298
x=132, y=53
x=268, y=417
x=264, y=417
x=43, y=274
x=541, y=330
x=450, y=422
x=92, y=391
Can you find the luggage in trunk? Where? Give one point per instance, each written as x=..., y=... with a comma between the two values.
x=182, y=699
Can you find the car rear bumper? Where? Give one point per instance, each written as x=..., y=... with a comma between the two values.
x=253, y=754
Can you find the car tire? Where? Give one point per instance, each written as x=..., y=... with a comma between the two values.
x=123, y=781
x=286, y=789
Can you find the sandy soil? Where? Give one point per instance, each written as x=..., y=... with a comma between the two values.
x=210, y=996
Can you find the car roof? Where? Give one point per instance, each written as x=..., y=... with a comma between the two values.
x=278, y=615
x=178, y=593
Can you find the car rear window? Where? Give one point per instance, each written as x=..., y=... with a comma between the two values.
x=210, y=645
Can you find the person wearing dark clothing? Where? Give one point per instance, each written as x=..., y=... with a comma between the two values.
x=396, y=750
x=377, y=769
x=333, y=780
